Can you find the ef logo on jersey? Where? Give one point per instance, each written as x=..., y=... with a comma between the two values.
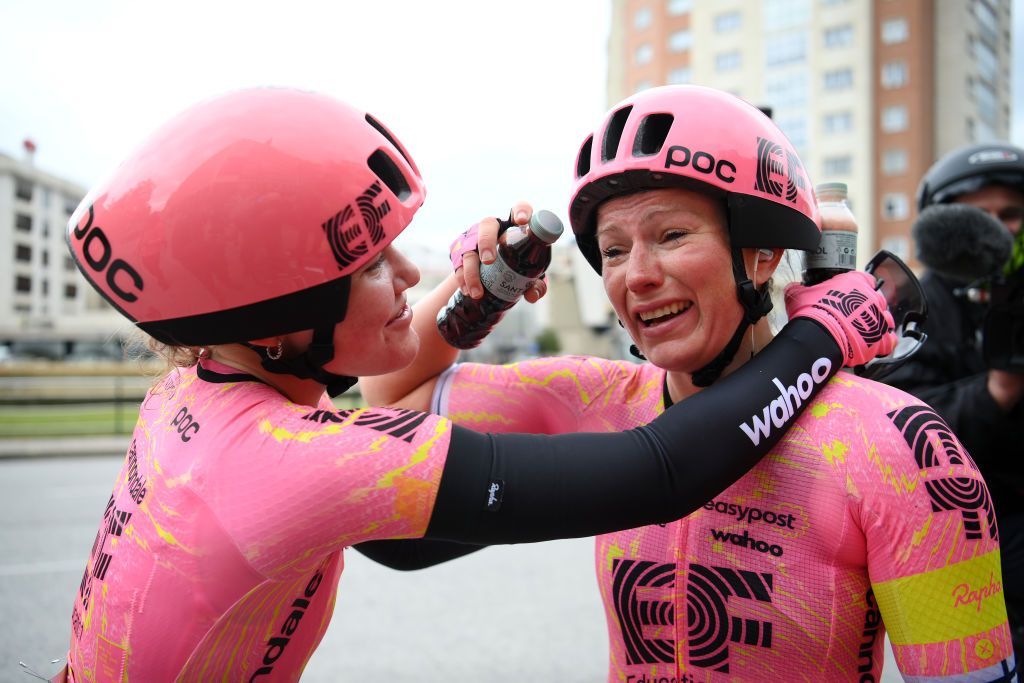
x=644, y=605
x=935, y=446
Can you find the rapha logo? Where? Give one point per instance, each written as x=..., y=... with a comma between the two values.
x=965, y=594
x=781, y=409
x=351, y=239
x=779, y=172
x=495, y=492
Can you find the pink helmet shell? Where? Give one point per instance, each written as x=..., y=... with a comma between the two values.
x=703, y=139
x=245, y=216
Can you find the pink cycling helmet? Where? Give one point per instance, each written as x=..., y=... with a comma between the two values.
x=703, y=139
x=245, y=216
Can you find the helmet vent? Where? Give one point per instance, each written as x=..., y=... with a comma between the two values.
x=613, y=133
x=387, y=170
x=651, y=135
x=391, y=138
x=583, y=160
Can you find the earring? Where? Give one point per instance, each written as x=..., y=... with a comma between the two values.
x=277, y=351
x=202, y=353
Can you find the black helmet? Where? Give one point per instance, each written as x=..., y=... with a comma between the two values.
x=968, y=169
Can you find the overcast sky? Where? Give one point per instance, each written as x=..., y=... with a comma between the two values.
x=491, y=98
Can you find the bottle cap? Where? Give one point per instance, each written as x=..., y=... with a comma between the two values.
x=546, y=226
x=831, y=191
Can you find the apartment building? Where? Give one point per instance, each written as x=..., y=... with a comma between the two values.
x=44, y=301
x=870, y=92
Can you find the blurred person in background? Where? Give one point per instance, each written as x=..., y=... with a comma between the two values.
x=855, y=525
x=978, y=396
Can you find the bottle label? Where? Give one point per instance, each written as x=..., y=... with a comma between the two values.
x=502, y=281
x=837, y=249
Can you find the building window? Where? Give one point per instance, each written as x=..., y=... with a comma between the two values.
x=839, y=122
x=727, y=61
x=23, y=189
x=70, y=204
x=23, y=222
x=677, y=7
x=895, y=206
x=795, y=129
x=895, y=161
x=69, y=264
x=838, y=165
x=789, y=89
x=781, y=14
x=680, y=76
x=46, y=287
x=895, y=31
x=985, y=98
x=643, y=54
x=46, y=257
x=680, y=40
x=895, y=118
x=839, y=36
x=787, y=48
x=728, y=22
x=894, y=75
x=840, y=79
x=986, y=59
x=22, y=283
x=70, y=291
x=898, y=245
x=988, y=22
x=642, y=18
x=23, y=253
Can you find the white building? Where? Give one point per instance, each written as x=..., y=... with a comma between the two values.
x=44, y=301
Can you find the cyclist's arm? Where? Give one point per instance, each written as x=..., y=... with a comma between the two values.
x=407, y=554
x=933, y=552
x=512, y=488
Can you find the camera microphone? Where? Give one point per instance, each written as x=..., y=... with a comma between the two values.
x=961, y=242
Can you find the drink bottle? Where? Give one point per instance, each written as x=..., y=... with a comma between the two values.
x=837, y=250
x=524, y=252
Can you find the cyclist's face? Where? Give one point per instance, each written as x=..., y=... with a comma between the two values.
x=1003, y=203
x=376, y=335
x=667, y=270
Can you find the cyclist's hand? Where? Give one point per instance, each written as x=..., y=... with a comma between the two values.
x=478, y=245
x=852, y=310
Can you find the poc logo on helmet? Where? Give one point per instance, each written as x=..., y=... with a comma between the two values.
x=98, y=254
x=780, y=410
x=779, y=172
x=702, y=162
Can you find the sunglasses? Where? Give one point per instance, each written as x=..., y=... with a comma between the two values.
x=908, y=306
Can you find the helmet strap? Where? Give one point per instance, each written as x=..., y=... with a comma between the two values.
x=756, y=302
x=309, y=364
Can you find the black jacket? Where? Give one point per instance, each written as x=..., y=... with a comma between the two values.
x=949, y=373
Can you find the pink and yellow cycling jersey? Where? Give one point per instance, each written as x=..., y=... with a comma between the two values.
x=190, y=578
x=868, y=517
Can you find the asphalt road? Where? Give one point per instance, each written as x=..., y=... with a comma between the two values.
x=506, y=614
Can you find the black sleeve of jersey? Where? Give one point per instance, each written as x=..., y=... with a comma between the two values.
x=513, y=488
x=407, y=554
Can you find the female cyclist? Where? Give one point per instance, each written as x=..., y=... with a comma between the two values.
x=251, y=236
x=867, y=517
